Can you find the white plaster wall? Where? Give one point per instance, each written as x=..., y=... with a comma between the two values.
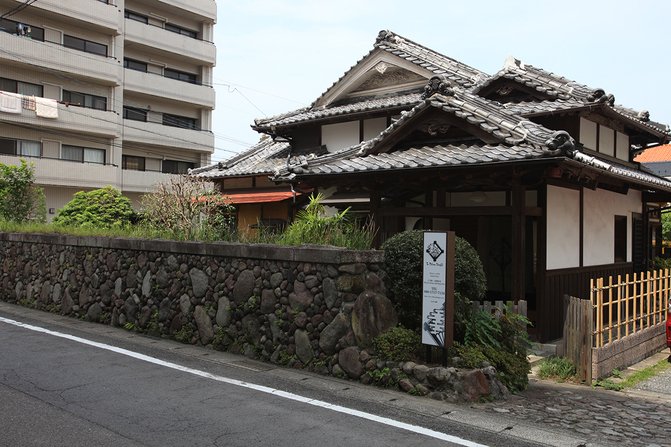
x=563, y=228
x=588, y=133
x=606, y=140
x=372, y=127
x=340, y=135
x=622, y=146
x=600, y=209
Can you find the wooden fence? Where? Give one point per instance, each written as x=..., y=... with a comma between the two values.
x=626, y=305
x=578, y=333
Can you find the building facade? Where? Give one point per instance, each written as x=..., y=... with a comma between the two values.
x=106, y=92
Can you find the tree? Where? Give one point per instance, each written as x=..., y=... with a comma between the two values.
x=100, y=208
x=188, y=207
x=21, y=200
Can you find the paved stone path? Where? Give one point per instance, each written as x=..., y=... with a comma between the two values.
x=602, y=417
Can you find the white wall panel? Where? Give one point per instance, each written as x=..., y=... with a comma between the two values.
x=340, y=135
x=563, y=232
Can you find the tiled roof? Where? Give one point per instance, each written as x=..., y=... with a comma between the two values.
x=625, y=172
x=459, y=73
x=263, y=158
x=366, y=105
x=656, y=154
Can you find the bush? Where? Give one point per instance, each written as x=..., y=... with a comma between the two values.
x=403, y=255
x=556, y=367
x=100, y=208
x=398, y=344
x=312, y=226
x=20, y=199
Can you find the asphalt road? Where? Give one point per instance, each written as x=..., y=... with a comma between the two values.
x=104, y=386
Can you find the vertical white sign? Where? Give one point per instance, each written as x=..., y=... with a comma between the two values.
x=434, y=287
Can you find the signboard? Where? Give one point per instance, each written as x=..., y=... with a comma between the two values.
x=438, y=289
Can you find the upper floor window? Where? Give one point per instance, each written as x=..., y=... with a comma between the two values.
x=23, y=88
x=23, y=148
x=180, y=30
x=134, y=113
x=84, y=45
x=133, y=163
x=179, y=121
x=85, y=100
x=136, y=16
x=83, y=154
x=180, y=75
x=176, y=167
x=134, y=65
x=22, y=29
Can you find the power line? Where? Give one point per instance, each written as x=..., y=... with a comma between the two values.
x=18, y=8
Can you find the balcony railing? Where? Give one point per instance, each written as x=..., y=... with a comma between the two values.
x=198, y=51
x=156, y=134
x=58, y=172
x=96, y=13
x=162, y=87
x=142, y=181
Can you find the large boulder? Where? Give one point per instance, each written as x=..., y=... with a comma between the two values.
x=349, y=361
x=301, y=297
x=304, y=350
x=199, y=282
x=244, y=287
x=372, y=315
x=328, y=339
x=204, y=325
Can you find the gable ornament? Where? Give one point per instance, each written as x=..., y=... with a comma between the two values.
x=561, y=143
x=438, y=84
x=599, y=95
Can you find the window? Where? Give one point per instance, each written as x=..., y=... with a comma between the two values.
x=136, y=16
x=134, y=113
x=180, y=75
x=135, y=65
x=22, y=148
x=179, y=121
x=132, y=162
x=85, y=100
x=83, y=154
x=24, y=88
x=176, y=167
x=24, y=29
x=620, y=238
x=180, y=30
x=84, y=45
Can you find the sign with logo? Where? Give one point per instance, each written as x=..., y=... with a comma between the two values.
x=438, y=288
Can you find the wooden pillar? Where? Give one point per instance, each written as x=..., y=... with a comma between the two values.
x=518, y=241
x=374, y=214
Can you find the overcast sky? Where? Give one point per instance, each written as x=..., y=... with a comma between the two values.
x=274, y=56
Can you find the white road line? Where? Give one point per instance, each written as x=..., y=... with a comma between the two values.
x=252, y=386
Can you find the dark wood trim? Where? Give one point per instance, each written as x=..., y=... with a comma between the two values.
x=360, y=130
x=518, y=240
x=447, y=212
x=581, y=237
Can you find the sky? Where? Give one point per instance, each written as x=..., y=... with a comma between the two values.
x=274, y=56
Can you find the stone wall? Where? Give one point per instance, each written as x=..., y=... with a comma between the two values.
x=304, y=307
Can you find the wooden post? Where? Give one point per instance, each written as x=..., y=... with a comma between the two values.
x=641, y=300
x=610, y=309
x=619, y=306
x=647, y=299
x=626, y=306
x=518, y=241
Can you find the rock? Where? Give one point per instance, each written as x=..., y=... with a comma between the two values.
x=372, y=315
x=199, y=282
x=330, y=292
x=251, y=327
x=145, y=316
x=130, y=309
x=45, y=293
x=275, y=330
x=332, y=333
x=268, y=301
x=56, y=293
x=84, y=296
x=301, y=319
x=204, y=325
x=301, y=297
x=406, y=385
x=164, y=309
x=303, y=347
x=94, y=312
x=311, y=281
x=68, y=302
x=420, y=372
x=276, y=280
x=473, y=385
x=348, y=359
x=352, y=269
x=146, y=284
x=223, y=317
x=95, y=281
x=244, y=287
x=185, y=304
x=421, y=389
x=105, y=293
x=162, y=278
x=118, y=284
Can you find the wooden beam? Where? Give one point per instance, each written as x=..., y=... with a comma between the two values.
x=518, y=241
x=447, y=212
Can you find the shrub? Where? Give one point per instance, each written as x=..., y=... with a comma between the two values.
x=511, y=369
x=20, y=199
x=403, y=255
x=556, y=367
x=187, y=208
x=398, y=344
x=312, y=226
x=100, y=208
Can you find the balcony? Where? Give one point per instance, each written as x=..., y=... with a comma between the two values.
x=68, y=173
x=71, y=119
x=22, y=50
x=94, y=13
x=142, y=181
x=155, y=134
x=199, y=51
x=201, y=8
x=161, y=87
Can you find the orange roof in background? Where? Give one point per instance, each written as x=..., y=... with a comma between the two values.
x=655, y=155
x=258, y=197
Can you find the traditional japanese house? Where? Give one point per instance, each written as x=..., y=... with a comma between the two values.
x=536, y=171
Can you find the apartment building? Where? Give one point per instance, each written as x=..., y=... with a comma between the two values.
x=106, y=92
